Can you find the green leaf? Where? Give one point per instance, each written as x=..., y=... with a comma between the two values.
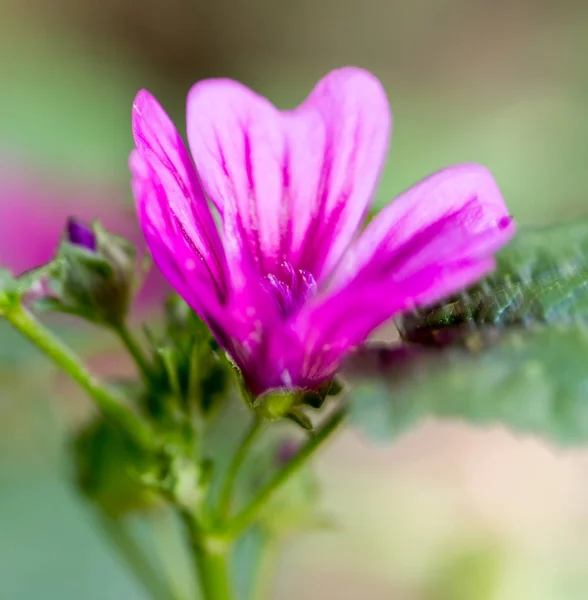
x=108, y=468
x=299, y=416
x=541, y=277
x=528, y=380
x=189, y=363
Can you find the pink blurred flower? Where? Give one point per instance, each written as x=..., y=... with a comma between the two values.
x=34, y=212
x=289, y=285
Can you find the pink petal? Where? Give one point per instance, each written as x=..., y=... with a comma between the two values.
x=433, y=240
x=345, y=320
x=455, y=213
x=181, y=233
x=170, y=181
x=237, y=314
x=172, y=252
x=182, y=236
x=297, y=182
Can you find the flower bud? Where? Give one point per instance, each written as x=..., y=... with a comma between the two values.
x=80, y=234
x=94, y=274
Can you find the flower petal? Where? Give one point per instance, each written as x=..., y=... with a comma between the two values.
x=174, y=187
x=457, y=213
x=182, y=236
x=341, y=322
x=299, y=182
x=435, y=239
x=172, y=252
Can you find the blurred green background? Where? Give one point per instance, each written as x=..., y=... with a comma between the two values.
x=450, y=512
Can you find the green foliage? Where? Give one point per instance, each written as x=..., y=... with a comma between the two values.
x=511, y=349
x=108, y=468
x=291, y=510
x=532, y=380
x=541, y=277
x=289, y=506
x=188, y=364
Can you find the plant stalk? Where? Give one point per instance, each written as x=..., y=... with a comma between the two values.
x=130, y=343
x=236, y=464
x=109, y=405
x=211, y=559
x=248, y=516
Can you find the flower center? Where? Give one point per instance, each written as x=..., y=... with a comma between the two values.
x=290, y=287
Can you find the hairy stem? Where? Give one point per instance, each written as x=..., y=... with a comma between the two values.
x=134, y=349
x=235, y=466
x=248, y=516
x=106, y=400
x=211, y=559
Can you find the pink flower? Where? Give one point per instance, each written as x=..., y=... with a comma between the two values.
x=287, y=282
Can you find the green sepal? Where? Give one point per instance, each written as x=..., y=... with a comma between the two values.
x=275, y=404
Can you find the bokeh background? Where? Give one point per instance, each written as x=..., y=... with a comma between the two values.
x=450, y=512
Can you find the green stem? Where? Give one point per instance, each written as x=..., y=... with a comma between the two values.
x=134, y=557
x=213, y=574
x=109, y=405
x=211, y=559
x=134, y=349
x=235, y=466
x=248, y=516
